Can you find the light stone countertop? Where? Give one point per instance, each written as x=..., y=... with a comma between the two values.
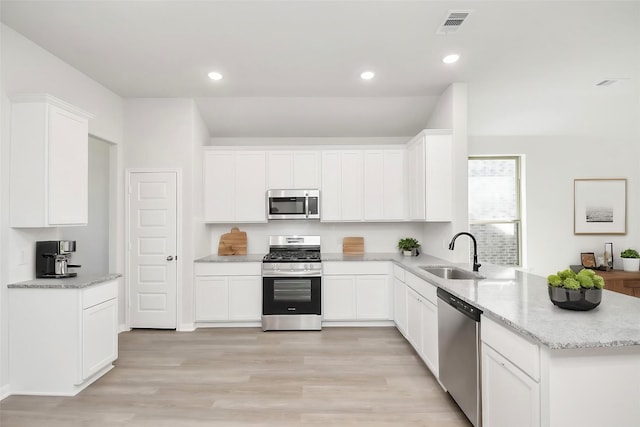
x=78, y=282
x=520, y=301
x=232, y=258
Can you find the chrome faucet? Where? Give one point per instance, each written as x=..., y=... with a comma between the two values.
x=476, y=266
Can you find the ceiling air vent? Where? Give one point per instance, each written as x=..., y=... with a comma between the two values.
x=453, y=21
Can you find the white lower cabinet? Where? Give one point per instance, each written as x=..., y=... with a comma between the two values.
x=510, y=378
x=228, y=292
x=212, y=298
x=245, y=298
x=400, y=305
x=414, y=319
x=99, y=336
x=510, y=397
x=373, y=298
x=430, y=335
x=338, y=298
x=70, y=341
x=422, y=328
x=348, y=298
x=356, y=291
x=422, y=320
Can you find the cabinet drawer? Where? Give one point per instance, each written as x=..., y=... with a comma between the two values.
x=97, y=294
x=398, y=272
x=517, y=349
x=228, y=269
x=355, y=267
x=421, y=286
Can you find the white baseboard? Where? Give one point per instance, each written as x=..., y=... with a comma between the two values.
x=186, y=327
x=4, y=391
x=228, y=324
x=357, y=324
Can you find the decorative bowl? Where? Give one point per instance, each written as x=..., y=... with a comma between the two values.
x=575, y=299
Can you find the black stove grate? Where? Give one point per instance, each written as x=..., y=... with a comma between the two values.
x=292, y=255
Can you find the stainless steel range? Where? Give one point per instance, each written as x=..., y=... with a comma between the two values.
x=291, y=284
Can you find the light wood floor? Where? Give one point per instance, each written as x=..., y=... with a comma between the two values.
x=246, y=377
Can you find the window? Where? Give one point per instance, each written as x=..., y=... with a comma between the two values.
x=494, y=208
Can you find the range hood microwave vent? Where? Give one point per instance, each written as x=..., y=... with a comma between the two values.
x=453, y=21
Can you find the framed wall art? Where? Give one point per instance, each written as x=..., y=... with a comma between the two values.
x=600, y=206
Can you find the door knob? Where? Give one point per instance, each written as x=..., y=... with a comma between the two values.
x=170, y=258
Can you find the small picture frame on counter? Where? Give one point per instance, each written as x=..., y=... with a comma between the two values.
x=588, y=259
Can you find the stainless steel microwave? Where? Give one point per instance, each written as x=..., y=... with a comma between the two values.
x=293, y=204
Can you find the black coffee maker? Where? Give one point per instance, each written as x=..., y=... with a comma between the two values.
x=52, y=259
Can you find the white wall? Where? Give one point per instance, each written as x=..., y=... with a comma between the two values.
x=451, y=113
x=593, y=135
x=27, y=68
x=552, y=163
x=92, y=241
x=165, y=133
x=200, y=236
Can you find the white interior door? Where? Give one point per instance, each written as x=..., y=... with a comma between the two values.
x=153, y=249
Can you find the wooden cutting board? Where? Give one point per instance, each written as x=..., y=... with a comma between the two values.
x=353, y=245
x=233, y=243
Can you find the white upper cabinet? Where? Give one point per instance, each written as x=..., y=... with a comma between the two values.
x=430, y=176
x=293, y=169
x=342, y=186
x=234, y=186
x=384, y=185
x=49, y=162
x=394, y=184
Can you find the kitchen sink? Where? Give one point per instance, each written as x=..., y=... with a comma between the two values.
x=451, y=273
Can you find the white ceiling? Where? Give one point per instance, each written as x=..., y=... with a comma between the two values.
x=292, y=67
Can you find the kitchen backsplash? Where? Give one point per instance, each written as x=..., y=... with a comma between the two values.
x=379, y=237
x=23, y=251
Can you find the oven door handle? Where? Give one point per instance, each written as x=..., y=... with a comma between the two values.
x=291, y=275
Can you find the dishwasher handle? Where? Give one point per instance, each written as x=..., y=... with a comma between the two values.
x=463, y=307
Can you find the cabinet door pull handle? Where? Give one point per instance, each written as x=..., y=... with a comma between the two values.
x=170, y=258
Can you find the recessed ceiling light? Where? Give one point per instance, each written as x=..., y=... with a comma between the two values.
x=450, y=59
x=215, y=75
x=367, y=75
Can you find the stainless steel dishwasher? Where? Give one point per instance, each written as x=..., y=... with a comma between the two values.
x=459, y=353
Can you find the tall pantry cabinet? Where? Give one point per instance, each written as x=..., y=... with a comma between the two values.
x=49, y=162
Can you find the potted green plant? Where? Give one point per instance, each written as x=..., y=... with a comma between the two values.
x=630, y=260
x=409, y=246
x=581, y=291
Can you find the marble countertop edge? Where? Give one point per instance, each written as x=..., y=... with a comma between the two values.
x=78, y=282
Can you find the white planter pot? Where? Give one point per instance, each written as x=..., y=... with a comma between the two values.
x=630, y=264
x=407, y=253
